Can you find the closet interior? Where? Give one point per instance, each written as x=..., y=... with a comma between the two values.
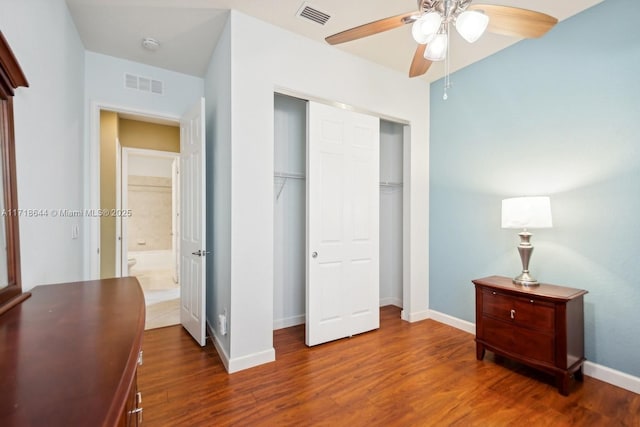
x=290, y=135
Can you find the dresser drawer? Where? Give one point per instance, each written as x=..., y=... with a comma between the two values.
x=516, y=340
x=525, y=312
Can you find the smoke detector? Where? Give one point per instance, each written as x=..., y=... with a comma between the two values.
x=150, y=44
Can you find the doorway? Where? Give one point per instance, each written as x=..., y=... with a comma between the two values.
x=139, y=183
x=149, y=246
x=290, y=127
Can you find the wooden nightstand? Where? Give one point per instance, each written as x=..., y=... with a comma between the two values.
x=540, y=326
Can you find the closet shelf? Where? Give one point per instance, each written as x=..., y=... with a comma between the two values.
x=285, y=176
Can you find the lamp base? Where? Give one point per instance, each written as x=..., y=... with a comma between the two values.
x=525, y=279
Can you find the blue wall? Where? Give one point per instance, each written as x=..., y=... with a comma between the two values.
x=555, y=116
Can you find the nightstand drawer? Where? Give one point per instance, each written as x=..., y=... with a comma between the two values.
x=525, y=312
x=520, y=341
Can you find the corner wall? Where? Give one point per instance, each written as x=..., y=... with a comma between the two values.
x=282, y=61
x=218, y=164
x=552, y=116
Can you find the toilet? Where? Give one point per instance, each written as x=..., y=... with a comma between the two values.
x=131, y=262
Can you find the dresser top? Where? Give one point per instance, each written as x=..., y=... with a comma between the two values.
x=68, y=354
x=544, y=290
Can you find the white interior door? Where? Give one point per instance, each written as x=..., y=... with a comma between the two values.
x=192, y=222
x=342, y=223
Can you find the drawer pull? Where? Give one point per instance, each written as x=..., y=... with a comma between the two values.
x=513, y=314
x=493, y=293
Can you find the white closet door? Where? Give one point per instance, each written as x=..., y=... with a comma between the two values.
x=342, y=223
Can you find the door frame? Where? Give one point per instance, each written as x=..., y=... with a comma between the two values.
x=92, y=171
x=122, y=201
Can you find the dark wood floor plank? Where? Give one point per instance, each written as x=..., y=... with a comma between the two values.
x=420, y=374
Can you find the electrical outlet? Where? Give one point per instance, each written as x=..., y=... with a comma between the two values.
x=222, y=324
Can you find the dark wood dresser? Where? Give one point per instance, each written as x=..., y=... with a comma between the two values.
x=540, y=326
x=69, y=355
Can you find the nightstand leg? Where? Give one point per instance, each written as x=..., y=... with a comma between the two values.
x=563, y=383
x=479, y=351
x=579, y=375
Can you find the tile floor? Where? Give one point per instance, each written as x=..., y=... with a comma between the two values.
x=162, y=297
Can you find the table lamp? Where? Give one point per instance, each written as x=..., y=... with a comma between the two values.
x=526, y=213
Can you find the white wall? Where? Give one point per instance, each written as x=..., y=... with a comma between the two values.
x=104, y=83
x=49, y=135
x=218, y=165
x=282, y=60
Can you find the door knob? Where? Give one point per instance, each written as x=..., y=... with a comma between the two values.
x=200, y=252
x=314, y=255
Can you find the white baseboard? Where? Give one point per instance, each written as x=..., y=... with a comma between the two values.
x=414, y=317
x=219, y=347
x=288, y=322
x=463, y=325
x=612, y=376
x=594, y=370
x=391, y=301
x=240, y=363
x=249, y=361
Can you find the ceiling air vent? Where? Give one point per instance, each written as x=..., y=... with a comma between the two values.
x=312, y=13
x=143, y=84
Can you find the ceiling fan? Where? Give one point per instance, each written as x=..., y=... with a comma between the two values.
x=431, y=24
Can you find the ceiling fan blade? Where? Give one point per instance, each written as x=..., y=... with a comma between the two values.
x=513, y=21
x=371, y=28
x=420, y=64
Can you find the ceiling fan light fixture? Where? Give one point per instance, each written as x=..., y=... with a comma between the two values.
x=425, y=28
x=471, y=24
x=437, y=49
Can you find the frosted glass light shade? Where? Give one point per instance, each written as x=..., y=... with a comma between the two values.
x=471, y=24
x=526, y=212
x=437, y=49
x=425, y=28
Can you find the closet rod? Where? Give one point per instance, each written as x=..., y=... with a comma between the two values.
x=289, y=175
x=390, y=184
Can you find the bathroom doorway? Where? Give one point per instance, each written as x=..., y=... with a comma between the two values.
x=149, y=245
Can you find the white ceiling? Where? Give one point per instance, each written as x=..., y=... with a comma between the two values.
x=188, y=30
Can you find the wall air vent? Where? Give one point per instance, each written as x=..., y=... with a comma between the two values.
x=143, y=84
x=312, y=13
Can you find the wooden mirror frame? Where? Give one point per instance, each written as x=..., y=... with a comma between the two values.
x=11, y=77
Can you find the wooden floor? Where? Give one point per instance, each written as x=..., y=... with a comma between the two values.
x=420, y=374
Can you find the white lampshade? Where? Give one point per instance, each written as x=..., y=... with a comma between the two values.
x=471, y=24
x=437, y=49
x=426, y=27
x=526, y=212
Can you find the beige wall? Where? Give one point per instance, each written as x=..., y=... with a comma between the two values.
x=135, y=134
x=108, y=137
x=149, y=136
